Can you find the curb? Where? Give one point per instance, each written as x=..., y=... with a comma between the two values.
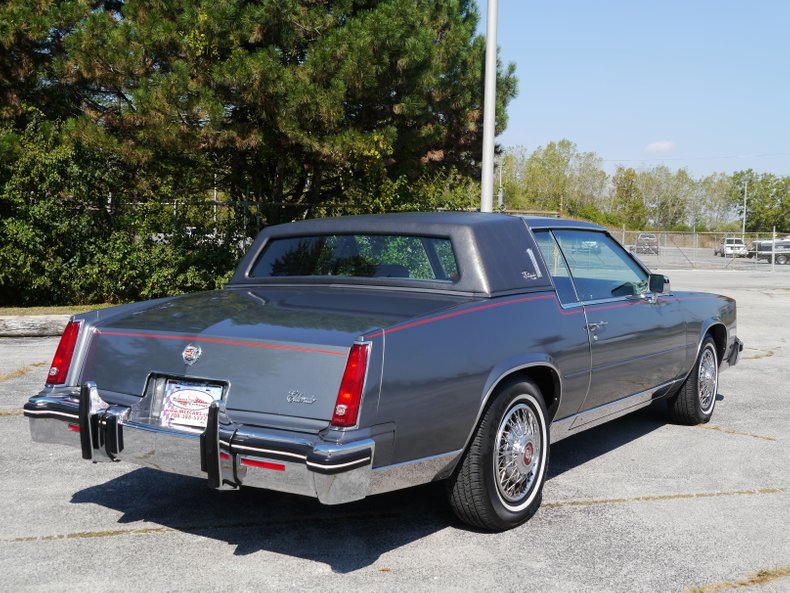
x=29, y=326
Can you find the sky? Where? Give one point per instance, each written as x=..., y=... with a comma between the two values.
x=696, y=84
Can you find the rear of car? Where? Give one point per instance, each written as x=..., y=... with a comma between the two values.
x=646, y=243
x=731, y=247
x=222, y=405
x=269, y=383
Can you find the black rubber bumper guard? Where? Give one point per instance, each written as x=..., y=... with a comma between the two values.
x=735, y=353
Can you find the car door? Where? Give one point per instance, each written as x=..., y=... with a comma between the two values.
x=638, y=338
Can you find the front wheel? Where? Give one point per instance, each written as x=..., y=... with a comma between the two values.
x=499, y=482
x=694, y=403
x=781, y=259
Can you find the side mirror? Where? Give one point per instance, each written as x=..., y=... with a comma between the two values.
x=657, y=283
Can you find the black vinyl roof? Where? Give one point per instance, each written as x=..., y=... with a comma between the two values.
x=495, y=252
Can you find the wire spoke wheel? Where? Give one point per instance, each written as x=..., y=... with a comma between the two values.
x=518, y=451
x=707, y=379
x=696, y=398
x=499, y=481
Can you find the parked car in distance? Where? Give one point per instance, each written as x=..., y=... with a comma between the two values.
x=777, y=250
x=646, y=243
x=732, y=246
x=588, y=246
x=356, y=355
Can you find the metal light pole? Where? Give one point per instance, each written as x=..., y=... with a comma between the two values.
x=500, y=196
x=743, y=228
x=489, y=111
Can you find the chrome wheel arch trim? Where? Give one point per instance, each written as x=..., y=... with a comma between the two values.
x=704, y=332
x=501, y=376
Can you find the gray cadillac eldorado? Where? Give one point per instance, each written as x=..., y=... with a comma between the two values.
x=357, y=355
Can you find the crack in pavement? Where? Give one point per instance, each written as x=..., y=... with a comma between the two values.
x=756, y=579
x=738, y=433
x=365, y=517
x=660, y=497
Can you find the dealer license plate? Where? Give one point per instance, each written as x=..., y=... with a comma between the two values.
x=185, y=404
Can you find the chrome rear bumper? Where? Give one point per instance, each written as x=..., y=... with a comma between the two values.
x=225, y=453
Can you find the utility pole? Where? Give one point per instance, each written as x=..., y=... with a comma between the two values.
x=501, y=192
x=489, y=111
x=743, y=229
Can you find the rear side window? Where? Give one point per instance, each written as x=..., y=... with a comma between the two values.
x=367, y=256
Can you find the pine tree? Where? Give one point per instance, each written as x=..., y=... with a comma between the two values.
x=288, y=104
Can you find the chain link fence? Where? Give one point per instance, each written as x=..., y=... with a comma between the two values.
x=753, y=251
x=215, y=221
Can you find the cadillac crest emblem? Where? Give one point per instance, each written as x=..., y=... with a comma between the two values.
x=191, y=353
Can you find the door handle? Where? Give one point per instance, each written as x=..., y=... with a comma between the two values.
x=649, y=297
x=595, y=326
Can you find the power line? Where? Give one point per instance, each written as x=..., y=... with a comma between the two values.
x=699, y=158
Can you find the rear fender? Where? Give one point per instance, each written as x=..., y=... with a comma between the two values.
x=513, y=365
x=504, y=370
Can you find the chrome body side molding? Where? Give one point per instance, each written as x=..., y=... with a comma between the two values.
x=580, y=422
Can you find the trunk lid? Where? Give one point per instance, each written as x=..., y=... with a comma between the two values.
x=280, y=351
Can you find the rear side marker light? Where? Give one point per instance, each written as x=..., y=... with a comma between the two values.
x=349, y=396
x=63, y=355
x=278, y=467
x=73, y=427
x=224, y=456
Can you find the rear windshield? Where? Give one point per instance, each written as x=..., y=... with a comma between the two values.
x=369, y=256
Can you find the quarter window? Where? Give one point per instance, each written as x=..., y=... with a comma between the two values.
x=558, y=269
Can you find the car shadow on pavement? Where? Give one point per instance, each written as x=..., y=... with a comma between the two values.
x=586, y=446
x=346, y=537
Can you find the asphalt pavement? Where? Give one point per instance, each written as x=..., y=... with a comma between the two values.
x=634, y=505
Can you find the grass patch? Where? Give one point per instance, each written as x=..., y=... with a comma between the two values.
x=21, y=371
x=59, y=310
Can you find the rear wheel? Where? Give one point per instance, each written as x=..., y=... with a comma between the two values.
x=781, y=259
x=499, y=482
x=694, y=403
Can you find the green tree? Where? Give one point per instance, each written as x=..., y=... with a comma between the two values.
x=628, y=203
x=557, y=177
x=712, y=207
x=767, y=200
x=34, y=79
x=66, y=237
x=120, y=120
x=293, y=106
x=667, y=195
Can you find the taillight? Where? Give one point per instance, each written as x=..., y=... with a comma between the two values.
x=350, y=394
x=62, y=359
